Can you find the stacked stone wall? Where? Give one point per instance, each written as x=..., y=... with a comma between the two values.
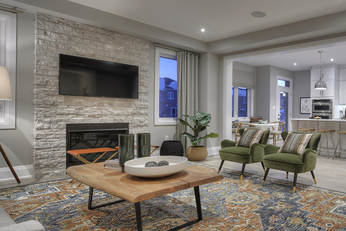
x=54, y=36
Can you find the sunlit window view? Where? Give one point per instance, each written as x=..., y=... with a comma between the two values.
x=168, y=88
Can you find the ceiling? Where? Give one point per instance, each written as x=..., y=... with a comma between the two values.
x=304, y=58
x=228, y=18
x=221, y=18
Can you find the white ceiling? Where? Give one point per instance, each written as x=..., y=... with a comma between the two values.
x=305, y=58
x=221, y=18
x=227, y=18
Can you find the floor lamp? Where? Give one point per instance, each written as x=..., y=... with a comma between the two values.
x=6, y=94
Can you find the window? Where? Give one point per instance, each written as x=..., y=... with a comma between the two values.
x=8, y=46
x=241, y=103
x=283, y=83
x=166, y=86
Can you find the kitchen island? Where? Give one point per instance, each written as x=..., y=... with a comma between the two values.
x=324, y=124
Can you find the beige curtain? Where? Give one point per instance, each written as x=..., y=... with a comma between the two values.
x=187, y=90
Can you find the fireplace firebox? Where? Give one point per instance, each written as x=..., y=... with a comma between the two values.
x=94, y=135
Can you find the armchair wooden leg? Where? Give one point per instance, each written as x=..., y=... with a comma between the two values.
x=265, y=176
x=264, y=168
x=295, y=182
x=9, y=164
x=222, y=161
x=242, y=171
x=313, y=176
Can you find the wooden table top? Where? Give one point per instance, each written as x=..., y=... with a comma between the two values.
x=136, y=189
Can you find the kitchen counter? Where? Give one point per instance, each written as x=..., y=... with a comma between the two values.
x=323, y=124
x=332, y=120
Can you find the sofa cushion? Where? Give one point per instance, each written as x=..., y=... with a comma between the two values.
x=249, y=137
x=5, y=219
x=295, y=143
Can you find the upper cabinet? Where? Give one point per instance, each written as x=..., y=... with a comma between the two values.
x=331, y=77
x=342, y=87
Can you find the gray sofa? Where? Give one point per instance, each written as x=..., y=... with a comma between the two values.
x=6, y=223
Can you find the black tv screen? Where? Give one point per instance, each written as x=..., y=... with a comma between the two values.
x=90, y=77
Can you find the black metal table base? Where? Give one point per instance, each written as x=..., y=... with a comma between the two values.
x=91, y=190
x=199, y=213
x=138, y=209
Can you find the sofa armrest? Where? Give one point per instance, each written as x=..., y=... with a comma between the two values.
x=309, y=158
x=227, y=143
x=257, y=152
x=31, y=225
x=270, y=149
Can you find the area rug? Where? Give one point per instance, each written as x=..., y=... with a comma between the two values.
x=230, y=204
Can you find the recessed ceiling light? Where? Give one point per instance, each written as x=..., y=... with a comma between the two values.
x=331, y=60
x=203, y=30
x=295, y=64
x=258, y=14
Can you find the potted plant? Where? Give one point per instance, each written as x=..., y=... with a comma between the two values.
x=199, y=124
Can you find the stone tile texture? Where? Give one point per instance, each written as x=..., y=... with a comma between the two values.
x=54, y=36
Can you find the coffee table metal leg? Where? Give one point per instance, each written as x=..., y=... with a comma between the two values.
x=90, y=201
x=138, y=216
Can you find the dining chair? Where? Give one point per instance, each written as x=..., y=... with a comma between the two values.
x=276, y=134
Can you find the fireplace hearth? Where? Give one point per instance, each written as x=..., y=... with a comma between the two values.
x=93, y=135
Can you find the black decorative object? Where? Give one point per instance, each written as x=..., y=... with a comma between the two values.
x=151, y=164
x=126, y=148
x=143, y=145
x=171, y=148
x=163, y=163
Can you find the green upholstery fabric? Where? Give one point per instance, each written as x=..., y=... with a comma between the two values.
x=291, y=162
x=243, y=155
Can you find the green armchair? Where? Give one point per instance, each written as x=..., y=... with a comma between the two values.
x=243, y=155
x=291, y=162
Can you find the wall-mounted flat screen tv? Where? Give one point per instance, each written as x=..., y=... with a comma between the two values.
x=90, y=77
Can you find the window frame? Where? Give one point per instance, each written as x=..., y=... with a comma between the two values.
x=8, y=44
x=250, y=104
x=161, y=52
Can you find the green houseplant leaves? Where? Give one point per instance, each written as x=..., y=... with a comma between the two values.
x=198, y=124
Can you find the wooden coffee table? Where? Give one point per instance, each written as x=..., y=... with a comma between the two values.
x=136, y=189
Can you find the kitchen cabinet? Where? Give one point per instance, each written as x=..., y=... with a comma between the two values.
x=342, y=87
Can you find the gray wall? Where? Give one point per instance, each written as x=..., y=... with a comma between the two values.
x=17, y=143
x=301, y=88
x=262, y=92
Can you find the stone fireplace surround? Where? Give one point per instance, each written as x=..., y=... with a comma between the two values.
x=52, y=111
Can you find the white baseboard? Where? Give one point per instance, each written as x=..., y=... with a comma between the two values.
x=212, y=151
x=23, y=172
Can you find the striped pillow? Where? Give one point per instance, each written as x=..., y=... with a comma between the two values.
x=295, y=143
x=249, y=137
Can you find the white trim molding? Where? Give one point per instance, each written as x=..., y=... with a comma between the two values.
x=161, y=52
x=23, y=172
x=8, y=47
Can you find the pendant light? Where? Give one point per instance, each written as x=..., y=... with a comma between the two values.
x=320, y=84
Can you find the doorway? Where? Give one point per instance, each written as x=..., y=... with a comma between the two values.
x=284, y=100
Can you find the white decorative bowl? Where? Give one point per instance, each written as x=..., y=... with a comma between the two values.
x=137, y=167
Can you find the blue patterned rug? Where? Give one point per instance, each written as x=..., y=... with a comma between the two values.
x=229, y=204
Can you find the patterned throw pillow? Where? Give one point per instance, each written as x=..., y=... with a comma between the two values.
x=249, y=137
x=295, y=143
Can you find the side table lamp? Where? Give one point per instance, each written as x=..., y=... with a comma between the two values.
x=6, y=94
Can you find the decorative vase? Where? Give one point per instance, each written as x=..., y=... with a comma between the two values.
x=126, y=144
x=143, y=145
x=171, y=148
x=197, y=153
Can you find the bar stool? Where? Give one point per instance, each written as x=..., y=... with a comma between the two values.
x=339, y=141
x=307, y=130
x=326, y=132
